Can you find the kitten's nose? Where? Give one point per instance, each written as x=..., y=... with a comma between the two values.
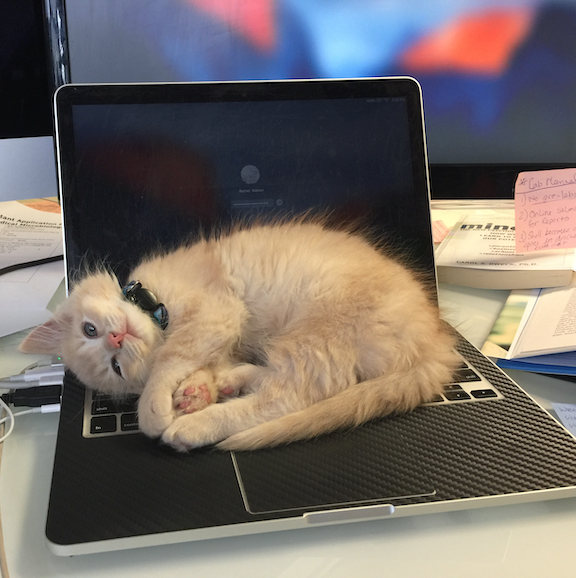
x=115, y=339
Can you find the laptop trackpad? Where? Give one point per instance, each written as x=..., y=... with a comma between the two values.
x=365, y=465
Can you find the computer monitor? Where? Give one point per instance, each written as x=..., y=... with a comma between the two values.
x=498, y=76
x=25, y=91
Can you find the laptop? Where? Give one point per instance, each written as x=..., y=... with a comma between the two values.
x=147, y=166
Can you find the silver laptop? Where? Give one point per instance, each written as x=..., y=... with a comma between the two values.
x=148, y=166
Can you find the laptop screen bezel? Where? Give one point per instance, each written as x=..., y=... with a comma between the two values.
x=70, y=96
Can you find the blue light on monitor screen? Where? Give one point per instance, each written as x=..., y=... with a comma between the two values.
x=498, y=76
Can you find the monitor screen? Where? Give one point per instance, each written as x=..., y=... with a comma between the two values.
x=25, y=87
x=498, y=76
x=180, y=160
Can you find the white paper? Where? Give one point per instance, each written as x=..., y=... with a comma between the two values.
x=27, y=234
x=566, y=412
x=25, y=294
x=530, y=305
x=551, y=328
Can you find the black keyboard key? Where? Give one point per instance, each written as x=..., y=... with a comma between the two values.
x=103, y=424
x=126, y=404
x=452, y=387
x=129, y=422
x=465, y=376
x=483, y=393
x=102, y=406
x=100, y=395
x=456, y=395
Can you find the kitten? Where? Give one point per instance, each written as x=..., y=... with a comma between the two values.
x=299, y=329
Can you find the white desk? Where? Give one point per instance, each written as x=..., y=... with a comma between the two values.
x=529, y=540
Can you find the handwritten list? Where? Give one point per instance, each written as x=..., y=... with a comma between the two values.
x=566, y=412
x=545, y=209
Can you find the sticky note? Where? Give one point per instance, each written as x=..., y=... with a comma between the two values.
x=566, y=412
x=439, y=231
x=545, y=210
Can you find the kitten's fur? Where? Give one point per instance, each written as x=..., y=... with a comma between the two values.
x=300, y=329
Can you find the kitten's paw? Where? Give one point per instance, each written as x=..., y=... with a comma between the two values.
x=195, y=393
x=191, y=431
x=155, y=413
x=163, y=400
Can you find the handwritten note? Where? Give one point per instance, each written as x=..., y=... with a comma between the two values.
x=566, y=412
x=545, y=208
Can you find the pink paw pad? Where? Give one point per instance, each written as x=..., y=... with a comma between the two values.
x=229, y=390
x=195, y=398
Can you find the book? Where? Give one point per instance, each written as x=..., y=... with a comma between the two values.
x=480, y=252
x=536, y=331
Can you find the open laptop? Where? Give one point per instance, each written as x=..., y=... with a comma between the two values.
x=146, y=166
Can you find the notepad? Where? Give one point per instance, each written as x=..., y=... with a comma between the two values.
x=545, y=210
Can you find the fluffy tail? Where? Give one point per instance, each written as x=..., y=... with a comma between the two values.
x=395, y=392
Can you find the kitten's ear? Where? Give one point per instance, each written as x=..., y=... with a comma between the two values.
x=47, y=339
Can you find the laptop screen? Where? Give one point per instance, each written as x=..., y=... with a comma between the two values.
x=147, y=166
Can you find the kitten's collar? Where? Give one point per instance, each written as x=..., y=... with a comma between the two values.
x=146, y=300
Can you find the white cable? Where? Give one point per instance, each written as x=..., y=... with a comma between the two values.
x=49, y=408
x=37, y=374
x=54, y=379
x=3, y=562
x=50, y=373
x=9, y=416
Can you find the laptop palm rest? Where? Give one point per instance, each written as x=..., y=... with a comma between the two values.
x=371, y=464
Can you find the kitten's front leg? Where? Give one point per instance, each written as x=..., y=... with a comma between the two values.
x=182, y=379
x=174, y=394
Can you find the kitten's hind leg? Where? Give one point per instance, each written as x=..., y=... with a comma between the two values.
x=242, y=378
x=214, y=423
x=221, y=420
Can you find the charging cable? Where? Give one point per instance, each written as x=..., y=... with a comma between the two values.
x=38, y=376
x=34, y=396
x=11, y=416
x=38, y=388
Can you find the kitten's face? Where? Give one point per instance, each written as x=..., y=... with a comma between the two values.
x=111, y=342
x=106, y=341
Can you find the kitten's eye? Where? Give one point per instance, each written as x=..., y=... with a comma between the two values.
x=116, y=367
x=90, y=330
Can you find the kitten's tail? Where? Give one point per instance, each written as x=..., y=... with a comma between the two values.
x=399, y=391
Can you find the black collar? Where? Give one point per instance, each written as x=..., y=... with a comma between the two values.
x=146, y=300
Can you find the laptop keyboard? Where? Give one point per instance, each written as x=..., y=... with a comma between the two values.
x=468, y=386
x=105, y=415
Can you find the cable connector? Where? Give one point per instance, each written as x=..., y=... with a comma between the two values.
x=45, y=373
x=55, y=379
x=34, y=396
x=49, y=408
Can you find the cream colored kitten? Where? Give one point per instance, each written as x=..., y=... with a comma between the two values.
x=300, y=330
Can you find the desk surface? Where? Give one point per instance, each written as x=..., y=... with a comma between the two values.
x=528, y=540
